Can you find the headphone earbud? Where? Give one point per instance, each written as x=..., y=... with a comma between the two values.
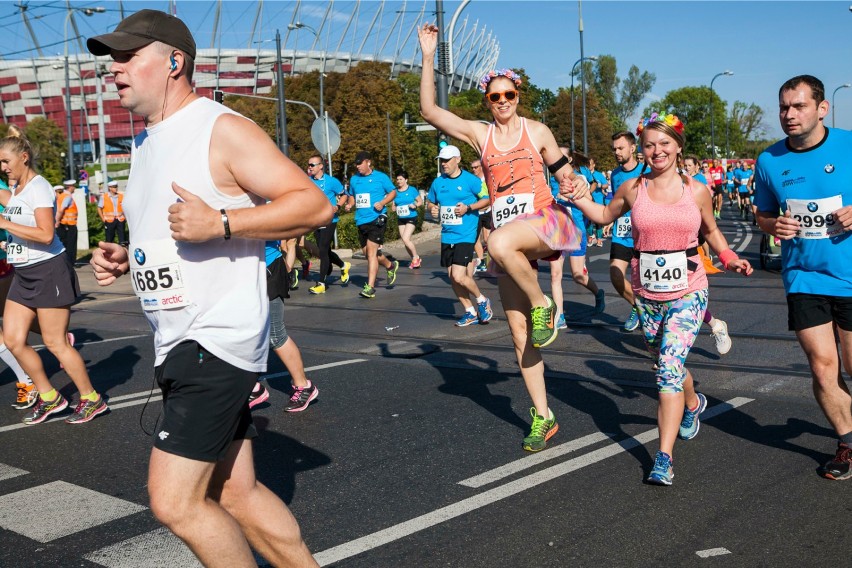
x=173, y=65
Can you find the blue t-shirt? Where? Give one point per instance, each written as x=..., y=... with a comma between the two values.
x=407, y=197
x=331, y=188
x=448, y=192
x=729, y=179
x=272, y=252
x=815, y=265
x=700, y=177
x=622, y=231
x=603, y=185
x=369, y=190
x=742, y=179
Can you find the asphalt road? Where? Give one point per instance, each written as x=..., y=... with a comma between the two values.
x=411, y=456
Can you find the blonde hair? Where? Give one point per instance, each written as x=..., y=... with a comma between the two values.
x=16, y=142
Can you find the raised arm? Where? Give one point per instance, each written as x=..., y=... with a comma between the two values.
x=468, y=131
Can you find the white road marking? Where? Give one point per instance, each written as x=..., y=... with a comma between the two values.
x=712, y=552
x=401, y=530
x=139, y=552
x=314, y=368
x=8, y=472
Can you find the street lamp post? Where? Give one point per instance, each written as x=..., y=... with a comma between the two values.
x=843, y=86
x=283, y=144
x=573, y=68
x=299, y=26
x=712, y=114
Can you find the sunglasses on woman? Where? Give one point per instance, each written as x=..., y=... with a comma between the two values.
x=495, y=96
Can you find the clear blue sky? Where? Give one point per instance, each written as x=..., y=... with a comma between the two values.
x=684, y=43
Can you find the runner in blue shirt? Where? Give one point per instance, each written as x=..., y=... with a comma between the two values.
x=808, y=176
x=324, y=236
x=621, y=248
x=601, y=189
x=455, y=198
x=729, y=185
x=405, y=206
x=370, y=191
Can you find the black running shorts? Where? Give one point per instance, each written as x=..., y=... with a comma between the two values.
x=810, y=310
x=371, y=232
x=205, y=404
x=460, y=254
x=618, y=251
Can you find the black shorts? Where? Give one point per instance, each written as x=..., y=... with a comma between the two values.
x=205, y=404
x=618, y=251
x=277, y=280
x=405, y=221
x=371, y=232
x=485, y=222
x=810, y=310
x=460, y=254
x=48, y=284
x=718, y=189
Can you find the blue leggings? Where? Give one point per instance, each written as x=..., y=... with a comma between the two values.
x=670, y=329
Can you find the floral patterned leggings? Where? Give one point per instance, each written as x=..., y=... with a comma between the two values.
x=670, y=329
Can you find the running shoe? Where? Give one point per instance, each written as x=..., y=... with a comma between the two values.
x=301, y=398
x=318, y=289
x=484, y=311
x=306, y=270
x=690, y=423
x=294, y=279
x=632, y=323
x=482, y=266
x=27, y=396
x=721, y=337
x=600, y=301
x=259, y=395
x=392, y=273
x=838, y=468
x=87, y=410
x=344, y=272
x=662, y=473
x=540, y=432
x=544, y=328
x=43, y=409
x=560, y=322
x=368, y=291
x=467, y=319
x=415, y=263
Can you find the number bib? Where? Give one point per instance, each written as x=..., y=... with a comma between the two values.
x=510, y=206
x=663, y=272
x=448, y=215
x=402, y=211
x=816, y=217
x=17, y=252
x=156, y=275
x=624, y=227
x=362, y=201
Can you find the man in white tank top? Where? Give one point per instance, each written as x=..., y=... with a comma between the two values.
x=195, y=259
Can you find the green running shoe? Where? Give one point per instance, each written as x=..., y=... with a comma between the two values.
x=540, y=432
x=392, y=273
x=368, y=291
x=544, y=324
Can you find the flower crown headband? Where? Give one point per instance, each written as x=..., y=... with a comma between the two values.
x=669, y=119
x=508, y=73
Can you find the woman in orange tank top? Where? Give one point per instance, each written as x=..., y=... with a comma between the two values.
x=528, y=224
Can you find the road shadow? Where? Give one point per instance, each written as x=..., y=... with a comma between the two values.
x=114, y=370
x=440, y=307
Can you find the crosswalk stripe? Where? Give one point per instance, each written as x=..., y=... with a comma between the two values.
x=8, y=472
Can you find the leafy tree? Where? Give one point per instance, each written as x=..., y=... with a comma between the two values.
x=48, y=141
x=692, y=106
x=619, y=98
x=749, y=119
x=597, y=124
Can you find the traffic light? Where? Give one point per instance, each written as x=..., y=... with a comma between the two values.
x=443, y=140
x=218, y=96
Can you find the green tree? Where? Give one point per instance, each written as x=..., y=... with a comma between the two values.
x=692, y=106
x=619, y=98
x=49, y=142
x=598, y=126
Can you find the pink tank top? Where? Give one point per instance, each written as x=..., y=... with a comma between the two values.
x=517, y=170
x=662, y=227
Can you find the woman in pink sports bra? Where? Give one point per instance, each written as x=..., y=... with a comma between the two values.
x=528, y=224
x=668, y=276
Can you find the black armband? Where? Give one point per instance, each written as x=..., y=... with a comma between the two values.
x=556, y=166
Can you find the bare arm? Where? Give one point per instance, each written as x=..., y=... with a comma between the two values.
x=621, y=203
x=43, y=231
x=572, y=186
x=244, y=159
x=469, y=131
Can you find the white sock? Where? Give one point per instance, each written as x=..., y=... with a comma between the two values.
x=481, y=299
x=471, y=310
x=10, y=360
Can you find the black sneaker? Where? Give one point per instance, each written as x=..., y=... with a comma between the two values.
x=258, y=396
x=838, y=468
x=301, y=398
x=43, y=409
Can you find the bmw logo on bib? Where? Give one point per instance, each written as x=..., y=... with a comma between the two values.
x=661, y=261
x=812, y=207
x=511, y=199
x=139, y=255
x=829, y=168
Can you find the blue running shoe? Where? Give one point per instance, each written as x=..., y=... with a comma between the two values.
x=690, y=424
x=632, y=322
x=483, y=311
x=662, y=473
x=560, y=322
x=467, y=319
x=600, y=302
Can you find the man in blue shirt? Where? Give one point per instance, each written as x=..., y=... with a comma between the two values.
x=808, y=177
x=455, y=198
x=333, y=190
x=370, y=191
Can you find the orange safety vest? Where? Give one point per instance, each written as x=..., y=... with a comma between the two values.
x=109, y=214
x=69, y=216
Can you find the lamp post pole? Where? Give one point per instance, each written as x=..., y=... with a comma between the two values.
x=100, y=71
x=583, y=81
x=573, y=68
x=843, y=86
x=283, y=144
x=712, y=113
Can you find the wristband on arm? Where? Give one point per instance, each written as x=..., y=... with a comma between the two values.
x=727, y=256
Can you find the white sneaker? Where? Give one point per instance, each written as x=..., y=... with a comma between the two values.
x=721, y=337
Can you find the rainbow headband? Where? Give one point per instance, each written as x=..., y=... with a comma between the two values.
x=669, y=119
x=508, y=73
